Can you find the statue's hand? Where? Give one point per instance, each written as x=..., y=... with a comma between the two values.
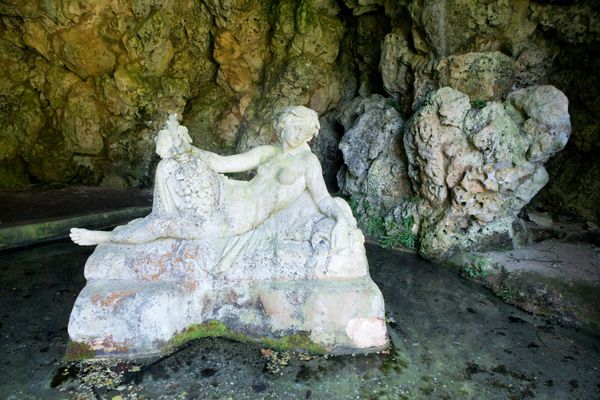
x=85, y=237
x=340, y=234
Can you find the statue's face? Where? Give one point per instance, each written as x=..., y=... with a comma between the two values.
x=295, y=134
x=164, y=144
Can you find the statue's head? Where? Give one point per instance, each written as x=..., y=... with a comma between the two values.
x=173, y=139
x=297, y=125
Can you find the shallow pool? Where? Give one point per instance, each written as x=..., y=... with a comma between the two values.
x=451, y=340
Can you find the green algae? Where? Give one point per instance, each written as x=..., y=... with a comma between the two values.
x=77, y=351
x=389, y=232
x=432, y=312
x=473, y=265
x=296, y=342
x=12, y=172
x=571, y=302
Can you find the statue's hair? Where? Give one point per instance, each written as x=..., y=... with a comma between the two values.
x=179, y=133
x=301, y=115
x=184, y=139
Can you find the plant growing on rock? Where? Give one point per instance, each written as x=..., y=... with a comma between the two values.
x=398, y=235
x=508, y=292
x=387, y=230
x=478, y=103
x=477, y=268
x=375, y=226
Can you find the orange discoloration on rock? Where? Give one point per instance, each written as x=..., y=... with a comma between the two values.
x=152, y=267
x=162, y=264
x=113, y=299
x=190, y=284
x=111, y=346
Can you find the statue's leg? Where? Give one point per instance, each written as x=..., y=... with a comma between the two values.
x=144, y=230
x=173, y=226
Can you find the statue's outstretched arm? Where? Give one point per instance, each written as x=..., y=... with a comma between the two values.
x=238, y=162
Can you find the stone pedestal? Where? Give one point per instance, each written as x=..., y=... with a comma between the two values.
x=278, y=280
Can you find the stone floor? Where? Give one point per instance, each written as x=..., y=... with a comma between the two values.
x=556, y=275
x=451, y=340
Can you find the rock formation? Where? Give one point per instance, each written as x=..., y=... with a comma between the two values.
x=375, y=172
x=485, y=50
x=475, y=166
x=90, y=81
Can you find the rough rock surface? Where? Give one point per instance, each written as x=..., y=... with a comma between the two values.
x=483, y=76
x=86, y=82
x=475, y=168
x=374, y=172
x=444, y=43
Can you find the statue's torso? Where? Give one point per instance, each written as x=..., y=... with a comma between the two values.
x=279, y=180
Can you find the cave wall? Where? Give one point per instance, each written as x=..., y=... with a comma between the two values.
x=87, y=84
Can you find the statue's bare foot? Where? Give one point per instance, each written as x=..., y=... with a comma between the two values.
x=85, y=237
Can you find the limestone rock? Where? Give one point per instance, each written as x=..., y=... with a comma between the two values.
x=82, y=121
x=401, y=68
x=458, y=26
x=575, y=24
x=202, y=115
x=374, y=170
x=370, y=32
x=535, y=60
x=141, y=60
x=70, y=46
x=100, y=71
x=241, y=43
x=326, y=147
x=485, y=76
x=305, y=45
x=436, y=30
x=543, y=113
x=542, y=219
x=573, y=186
x=360, y=7
x=476, y=168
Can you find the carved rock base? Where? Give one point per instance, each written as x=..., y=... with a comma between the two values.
x=138, y=317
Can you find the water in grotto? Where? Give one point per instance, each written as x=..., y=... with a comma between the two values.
x=450, y=340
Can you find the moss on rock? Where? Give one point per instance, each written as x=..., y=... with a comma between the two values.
x=77, y=351
x=296, y=342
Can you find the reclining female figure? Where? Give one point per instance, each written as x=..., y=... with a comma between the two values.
x=193, y=201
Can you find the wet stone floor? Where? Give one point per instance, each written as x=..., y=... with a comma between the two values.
x=451, y=340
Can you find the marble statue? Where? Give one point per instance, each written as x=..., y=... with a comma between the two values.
x=269, y=257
